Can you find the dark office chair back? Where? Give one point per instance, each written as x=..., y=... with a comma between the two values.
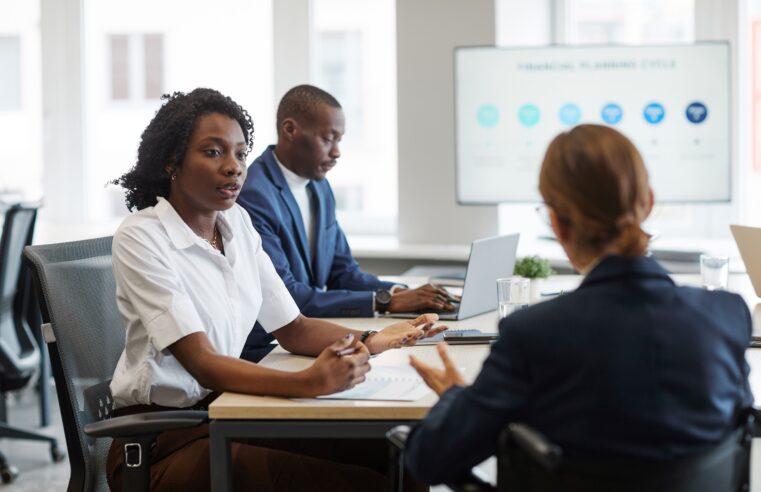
x=19, y=354
x=529, y=463
x=78, y=300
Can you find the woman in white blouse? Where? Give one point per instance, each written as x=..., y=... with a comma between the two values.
x=192, y=279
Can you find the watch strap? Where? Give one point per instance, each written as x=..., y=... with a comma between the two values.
x=366, y=334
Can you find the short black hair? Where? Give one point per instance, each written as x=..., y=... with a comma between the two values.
x=300, y=101
x=165, y=140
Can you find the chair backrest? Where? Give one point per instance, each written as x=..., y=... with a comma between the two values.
x=724, y=467
x=77, y=296
x=19, y=354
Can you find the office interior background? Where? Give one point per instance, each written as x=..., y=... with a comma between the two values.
x=80, y=79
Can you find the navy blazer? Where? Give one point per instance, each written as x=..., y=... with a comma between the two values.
x=628, y=364
x=329, y=285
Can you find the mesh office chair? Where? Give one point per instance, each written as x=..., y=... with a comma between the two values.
x=19, y=352
x=85, y=337
x=528, y=462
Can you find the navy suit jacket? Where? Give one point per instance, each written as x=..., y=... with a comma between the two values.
x=329, y=285
x=628, y=364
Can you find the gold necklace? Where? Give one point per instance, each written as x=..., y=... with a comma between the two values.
x=213, y=241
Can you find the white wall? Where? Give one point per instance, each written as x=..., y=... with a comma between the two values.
x=427, y=32
x=64, y=179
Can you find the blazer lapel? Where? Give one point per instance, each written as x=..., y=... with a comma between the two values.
x=293, y=207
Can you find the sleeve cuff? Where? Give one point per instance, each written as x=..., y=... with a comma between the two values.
x=172, y=325
x=281, y=310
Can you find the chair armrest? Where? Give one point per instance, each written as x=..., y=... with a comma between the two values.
x=755, y=421
x=398, y=436
x=146, y=423
x=535, y=445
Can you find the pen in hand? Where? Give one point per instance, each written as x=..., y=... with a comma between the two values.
x=346, y=351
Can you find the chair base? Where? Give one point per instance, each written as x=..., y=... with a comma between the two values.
x=8, y=472
x=9, y=432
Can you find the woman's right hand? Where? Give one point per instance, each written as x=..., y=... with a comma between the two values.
x=332, y=372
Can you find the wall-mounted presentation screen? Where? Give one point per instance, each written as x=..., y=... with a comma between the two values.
x=671, y=101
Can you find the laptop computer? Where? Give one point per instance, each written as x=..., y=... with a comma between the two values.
x=748, y=241
x=490, y=259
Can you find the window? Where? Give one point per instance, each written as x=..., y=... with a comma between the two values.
x=137, y=66
x=10, y=75
x=20, y=101
x=629, y=21
x=135, y=51
x=339, y=67
x=119, y=67
x=353, y=58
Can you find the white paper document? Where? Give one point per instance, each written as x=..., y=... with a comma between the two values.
x=386, y=383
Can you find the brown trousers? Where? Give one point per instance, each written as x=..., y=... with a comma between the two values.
x=180, y=461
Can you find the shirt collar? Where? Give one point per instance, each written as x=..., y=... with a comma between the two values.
x=294, y=180
x=181, y=235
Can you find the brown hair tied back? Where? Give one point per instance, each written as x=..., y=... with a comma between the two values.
x=631, y=240
x=594, y=179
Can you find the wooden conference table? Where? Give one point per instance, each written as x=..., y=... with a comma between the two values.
x=244, y=416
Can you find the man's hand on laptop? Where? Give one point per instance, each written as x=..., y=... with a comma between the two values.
x=404, y=334
x=429, y=297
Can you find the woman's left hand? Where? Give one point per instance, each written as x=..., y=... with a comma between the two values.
x=439, y=380
x=404, y=333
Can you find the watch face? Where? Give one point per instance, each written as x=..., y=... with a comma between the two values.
x=383, y=297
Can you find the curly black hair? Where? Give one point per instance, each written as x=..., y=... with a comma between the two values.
x=165, y=140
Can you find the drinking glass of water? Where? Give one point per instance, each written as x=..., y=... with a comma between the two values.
x=512, y=294
x=714, y=271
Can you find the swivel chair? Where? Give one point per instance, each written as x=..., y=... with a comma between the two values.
x=528, y=462
x=19, y=352
x=85, y=336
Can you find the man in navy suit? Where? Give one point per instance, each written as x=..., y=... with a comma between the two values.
x=293, y=209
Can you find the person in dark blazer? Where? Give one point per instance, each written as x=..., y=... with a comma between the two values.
x=629, y=364
x=293, y=209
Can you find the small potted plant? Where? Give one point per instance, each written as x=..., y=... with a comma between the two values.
x=536, y=269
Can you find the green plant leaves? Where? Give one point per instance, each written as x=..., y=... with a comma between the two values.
x=533, y=267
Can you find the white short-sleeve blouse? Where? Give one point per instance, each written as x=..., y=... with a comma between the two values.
x=171, y=283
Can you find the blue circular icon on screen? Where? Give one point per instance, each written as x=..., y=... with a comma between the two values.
x=570, y=114
x=488, y=115
x=654, y=113
x=696, y=112
x=528, y=115
x=611, y=113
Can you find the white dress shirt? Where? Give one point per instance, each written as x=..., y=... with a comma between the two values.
x=171, y=283
x=301, y=193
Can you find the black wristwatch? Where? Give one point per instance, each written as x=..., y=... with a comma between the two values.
x=366, y=334
x=382, y=300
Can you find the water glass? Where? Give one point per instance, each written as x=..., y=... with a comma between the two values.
x=512, y=294
x=714, y=271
